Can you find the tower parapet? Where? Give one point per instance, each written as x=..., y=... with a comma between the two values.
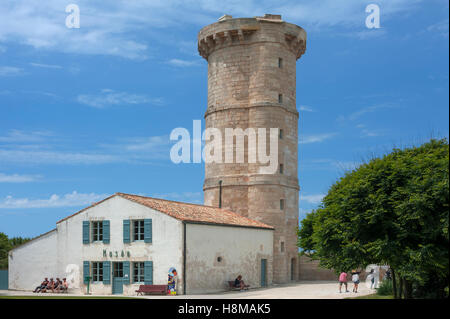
x=229, y=31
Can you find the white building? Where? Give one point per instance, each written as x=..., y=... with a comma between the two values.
x=127, y=240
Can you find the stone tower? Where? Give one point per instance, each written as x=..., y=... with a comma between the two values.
x=252, y=84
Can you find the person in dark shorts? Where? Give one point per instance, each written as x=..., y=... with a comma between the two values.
x=355, y=280
x=41, y=286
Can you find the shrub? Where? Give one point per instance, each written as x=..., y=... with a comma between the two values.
x=385, y=288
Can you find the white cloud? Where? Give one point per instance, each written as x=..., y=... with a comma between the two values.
x=46, y=66
x=365, y=132
x=36, y=148
x=16, y=178
x=306, y=108
x=111, y=27
x=18, y=136
x=10, y=71
x=317, y=138
x=312, y=199
x=182, y=63
x=108, y=97
x=67, y=200
x=440, y=28
x=56, y=157
x=368, y=109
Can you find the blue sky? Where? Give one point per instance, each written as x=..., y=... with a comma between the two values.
x=87, y=112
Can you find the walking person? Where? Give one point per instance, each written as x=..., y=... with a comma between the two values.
x=372, y=278
x=343, y=281
x=355, y=280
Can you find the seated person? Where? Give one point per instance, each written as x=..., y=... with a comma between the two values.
x=41, y=286
x=239, y=283
x=50, y=286
x=56, y=285
x=63, y=286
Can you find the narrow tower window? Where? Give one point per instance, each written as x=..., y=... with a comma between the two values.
x=281, y=204
x=280, y=63
x=282, y=246
x=281, y=168
x=281, y=134
x=280, y=98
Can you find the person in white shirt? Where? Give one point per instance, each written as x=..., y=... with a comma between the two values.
x=355, y=280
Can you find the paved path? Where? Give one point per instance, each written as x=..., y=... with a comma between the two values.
x=300, y=290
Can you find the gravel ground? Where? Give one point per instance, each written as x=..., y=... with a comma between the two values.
x=300, y=290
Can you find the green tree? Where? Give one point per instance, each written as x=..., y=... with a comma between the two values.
x=4, y=249
x=392, y=210
x=305, y=232
x=6, y=245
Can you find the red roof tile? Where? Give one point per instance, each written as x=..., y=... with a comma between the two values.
x=187, y=212
x=195, y=213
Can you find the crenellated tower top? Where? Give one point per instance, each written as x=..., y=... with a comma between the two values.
x=269, y=28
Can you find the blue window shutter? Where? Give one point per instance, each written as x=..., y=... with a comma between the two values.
x=86, y=271
x=106, y=232
x=86, y=232
x=126, y=231
x=147, y=230
x=148, y=272
x=126, y=272
x=107, y=272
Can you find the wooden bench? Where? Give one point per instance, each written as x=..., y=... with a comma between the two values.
x=152, y=289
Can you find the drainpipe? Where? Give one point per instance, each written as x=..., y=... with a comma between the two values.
x=220, y=194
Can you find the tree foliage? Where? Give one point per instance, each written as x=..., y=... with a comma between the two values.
x=6, y=244
x=392, y=210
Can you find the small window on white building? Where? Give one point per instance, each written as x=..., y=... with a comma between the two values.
x=138, y=230
x=97, y=231
x=138, y=272
x=97, y=271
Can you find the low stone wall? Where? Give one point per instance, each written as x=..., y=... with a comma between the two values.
x=309, y=270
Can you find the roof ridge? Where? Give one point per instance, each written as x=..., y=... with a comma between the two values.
x=172, y=201
x=198, y=205
x=132, y=197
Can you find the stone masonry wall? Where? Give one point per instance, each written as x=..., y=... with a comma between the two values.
x=252, y=84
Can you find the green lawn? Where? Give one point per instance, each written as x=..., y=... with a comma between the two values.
x=372, y=296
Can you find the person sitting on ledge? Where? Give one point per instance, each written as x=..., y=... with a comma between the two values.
x=239, y=283
x=41, y=286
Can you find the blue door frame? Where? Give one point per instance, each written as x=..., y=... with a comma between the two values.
x=263, y=272
x=117, y=278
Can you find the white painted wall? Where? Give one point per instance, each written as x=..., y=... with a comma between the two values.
x=165, y=251
x=51, y=255
x=241, y=250
x=30, y=263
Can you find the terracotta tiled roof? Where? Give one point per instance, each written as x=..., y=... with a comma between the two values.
x=187, y=212
x=195, y=213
